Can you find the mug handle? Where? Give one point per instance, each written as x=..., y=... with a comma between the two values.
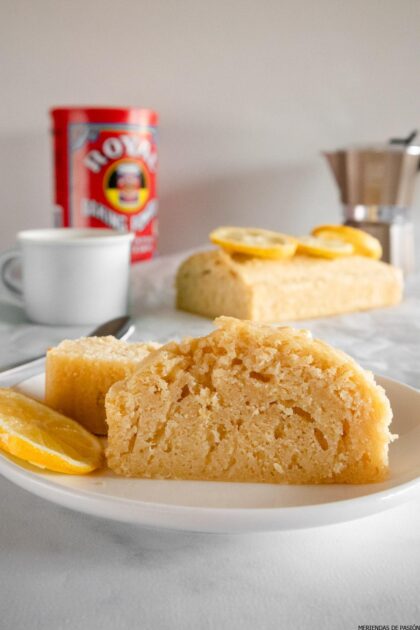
x=13, y=288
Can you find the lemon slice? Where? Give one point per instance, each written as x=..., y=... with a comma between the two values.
x=363, y=243
x=45, y=438
x=324, y=247
x=254, y=242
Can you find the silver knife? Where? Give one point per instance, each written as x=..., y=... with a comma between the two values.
x=121, y=328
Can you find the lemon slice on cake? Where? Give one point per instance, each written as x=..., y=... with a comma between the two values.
x=254, y=242
x=364, y=244
x=45, y=438
x=324, y=247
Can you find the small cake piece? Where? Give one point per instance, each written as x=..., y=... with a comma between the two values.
x=214, y=283
x=80, y=372
x=249, y=402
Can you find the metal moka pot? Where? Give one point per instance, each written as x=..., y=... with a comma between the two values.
x=376, y=185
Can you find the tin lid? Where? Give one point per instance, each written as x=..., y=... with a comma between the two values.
x=130, y=115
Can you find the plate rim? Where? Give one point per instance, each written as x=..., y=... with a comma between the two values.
x=262, y=518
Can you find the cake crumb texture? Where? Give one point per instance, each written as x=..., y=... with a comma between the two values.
x=249, y=402
x=80, y=372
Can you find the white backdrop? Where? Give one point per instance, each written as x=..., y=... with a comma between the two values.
x=248, y=93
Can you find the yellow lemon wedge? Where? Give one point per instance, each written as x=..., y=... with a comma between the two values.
x=45, y=438
x=324, y=247
x=364, y=244
x=254, y=242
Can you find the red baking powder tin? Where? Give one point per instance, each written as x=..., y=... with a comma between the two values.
x=105, y=163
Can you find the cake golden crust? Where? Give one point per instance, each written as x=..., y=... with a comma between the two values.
x=214, y=283
x=80, y=372
x=249, y=403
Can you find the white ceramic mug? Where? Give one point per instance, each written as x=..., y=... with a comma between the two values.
x=70, y=276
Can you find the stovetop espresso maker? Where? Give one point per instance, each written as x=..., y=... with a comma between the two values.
x=376, y=186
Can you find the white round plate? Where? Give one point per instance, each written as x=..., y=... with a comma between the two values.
x=233, y=507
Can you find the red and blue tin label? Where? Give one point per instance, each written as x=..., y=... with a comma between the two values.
x=105, y=172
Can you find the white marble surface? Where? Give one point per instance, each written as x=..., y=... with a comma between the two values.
x=60, y=569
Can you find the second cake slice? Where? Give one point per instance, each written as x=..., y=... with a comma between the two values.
x=80, y=372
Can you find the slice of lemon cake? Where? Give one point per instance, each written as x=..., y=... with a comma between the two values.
x=216, y=282
x=80, y=372
x=249, y=402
